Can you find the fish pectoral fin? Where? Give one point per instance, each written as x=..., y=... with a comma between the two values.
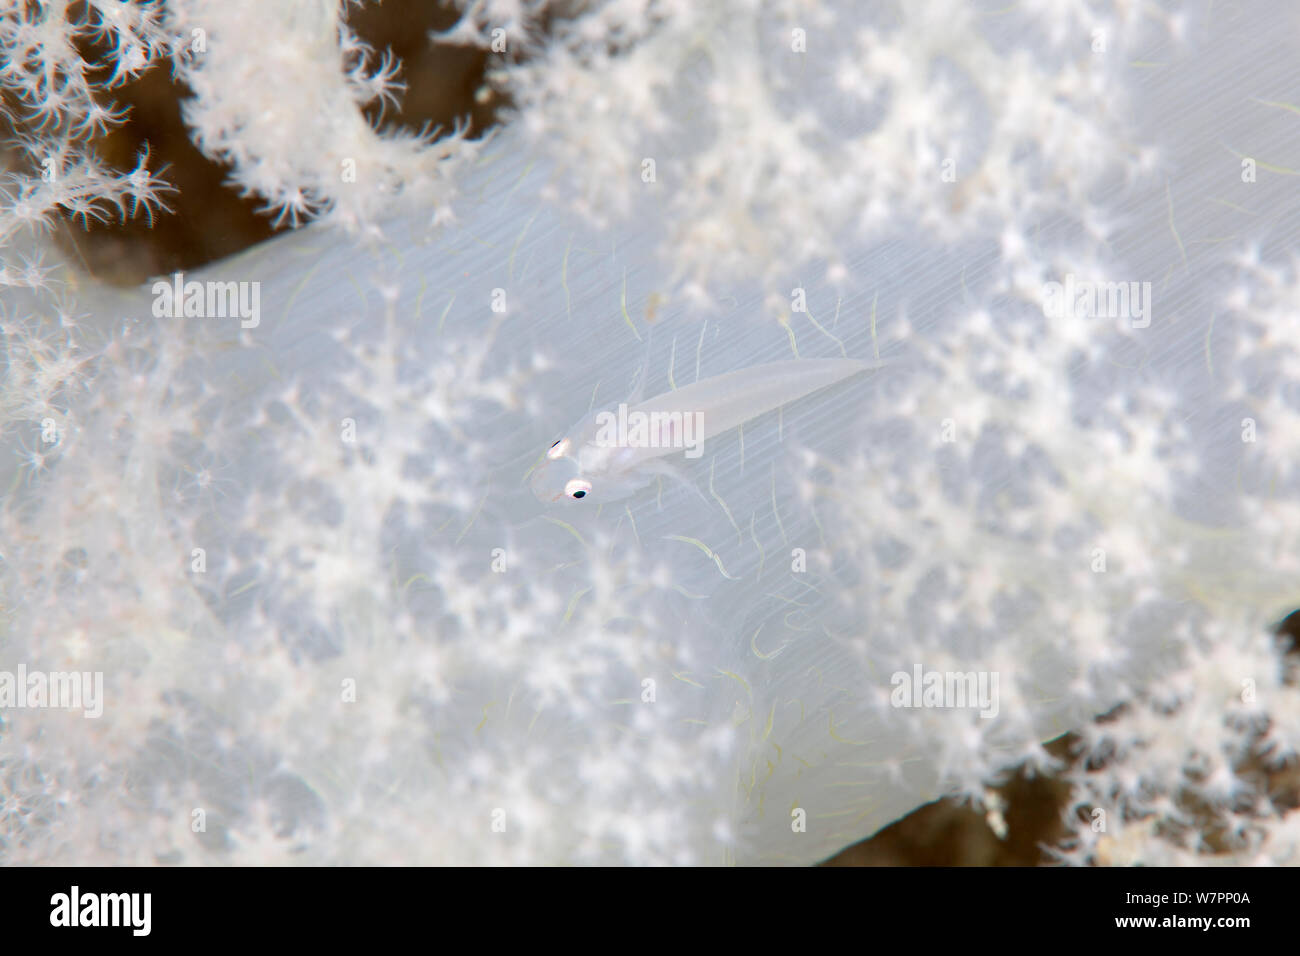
x=674, y=473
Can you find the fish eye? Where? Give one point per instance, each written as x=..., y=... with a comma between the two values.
x=559, y=449
x=577, y=488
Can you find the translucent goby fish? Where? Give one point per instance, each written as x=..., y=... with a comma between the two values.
x=613, y=453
